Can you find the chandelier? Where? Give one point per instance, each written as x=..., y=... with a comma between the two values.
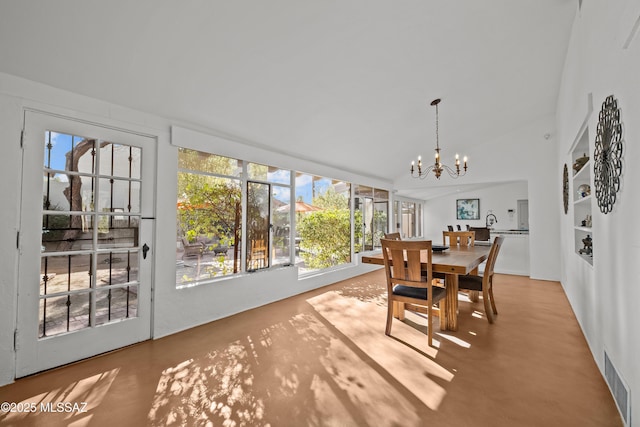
x=437, y=167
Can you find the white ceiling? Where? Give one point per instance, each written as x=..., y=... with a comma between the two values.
x=346, y=82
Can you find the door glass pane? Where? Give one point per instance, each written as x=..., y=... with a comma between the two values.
x=380, y=216
x=64, y=273
x=120, y=161
x=258, y=225
x=363, y=218
x=115, y=231
x=62, y=314
x=396, y=216
x=64, y=152
x=73, y=263
x=118, y=195
x=281, y=218
x=116, y=304
x=116, y=268
x=367, y=222
x=64, y=232
x=408, y=219
x=358, y=235
x=68, y=192
x=380, y=221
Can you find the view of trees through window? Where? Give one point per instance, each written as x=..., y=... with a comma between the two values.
x=235, y=216
x=209, y=216
x=323, y=222
x=268, y=216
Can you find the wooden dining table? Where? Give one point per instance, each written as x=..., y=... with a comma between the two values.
x=453, y=262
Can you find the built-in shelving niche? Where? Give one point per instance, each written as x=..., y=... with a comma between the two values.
x=581, y=195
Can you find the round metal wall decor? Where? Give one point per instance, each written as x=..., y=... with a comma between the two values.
x=608, y=155
x=565, y=188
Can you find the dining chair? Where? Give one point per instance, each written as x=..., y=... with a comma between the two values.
x=455, y=238
x=397, y=236
x=458, y=238
x=484, y=283
x=407, y=287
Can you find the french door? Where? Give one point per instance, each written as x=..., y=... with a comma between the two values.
x=86, y=239
x=258, y=225
x=365, y=206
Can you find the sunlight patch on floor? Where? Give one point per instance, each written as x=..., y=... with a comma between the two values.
x=455, y=340
x=212, y=389
x=77, y=400
x=402, y=363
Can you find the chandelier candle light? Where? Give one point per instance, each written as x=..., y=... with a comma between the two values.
x=437, y=167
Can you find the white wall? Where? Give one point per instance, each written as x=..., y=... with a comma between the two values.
x=523, y=154
x=498, y=198
x=174, y=309
x=605, y=297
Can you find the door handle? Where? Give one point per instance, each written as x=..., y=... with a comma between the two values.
x=145, y=249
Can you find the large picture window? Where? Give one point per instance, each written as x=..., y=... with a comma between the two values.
x=209, y=210
x=235, y=216
x=323, y=222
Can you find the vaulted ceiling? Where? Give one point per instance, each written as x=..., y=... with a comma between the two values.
x=345, y=83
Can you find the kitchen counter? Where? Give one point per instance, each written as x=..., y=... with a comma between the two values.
x=514, y=254
x=510, y=232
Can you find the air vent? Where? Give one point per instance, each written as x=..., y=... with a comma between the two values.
x=619, y=389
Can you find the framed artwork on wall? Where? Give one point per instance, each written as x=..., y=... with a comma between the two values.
x=468, y=209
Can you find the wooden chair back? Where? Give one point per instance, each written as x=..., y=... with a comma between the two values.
x=392, y=236
x=403, y=264
x=487, y=275
x=459, y=238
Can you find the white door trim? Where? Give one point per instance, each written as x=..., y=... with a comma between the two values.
x=33, y=354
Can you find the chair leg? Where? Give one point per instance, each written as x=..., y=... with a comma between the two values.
x=429, y=325
x=487, y=306
x=493, y=301
x=390, y=306
x=398, y=310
